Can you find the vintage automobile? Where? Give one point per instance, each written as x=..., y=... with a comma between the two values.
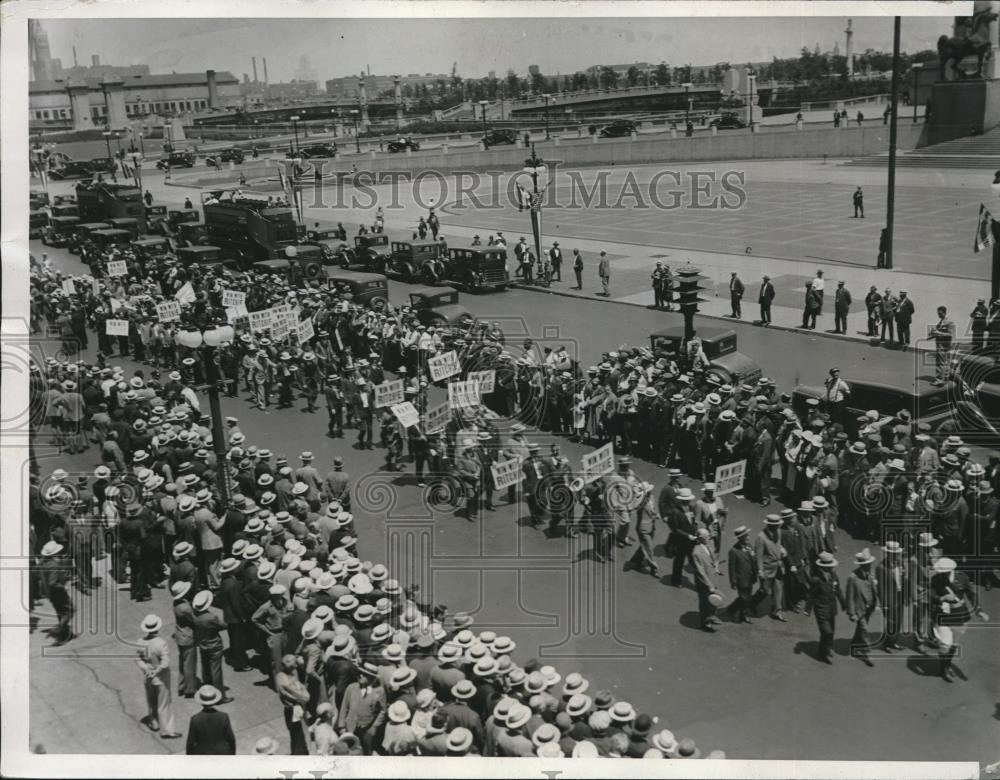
x=105, y=239
x=499, y=138
x=82, y=233
x=176, y=160
x=37, y=199
x=314, y=150
x=303, y=265
x=408, y=259
x=37, y=222
x=926, y=402
x=476, y=268
x=149, y=248
x=64, y=210
x=367, y=289
x=231, y=155
x=728, y=121
x=724, y=362
x=402, y=145
x=192, y=234
x=60, y=231
x=205, y=256
x=102, y=165
x=438, y=307
x=72, y=169
x=620, y=128
x=370, y=250
x=328, y=240
x=131, y=224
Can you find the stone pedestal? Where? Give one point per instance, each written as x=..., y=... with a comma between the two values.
x=79, y=101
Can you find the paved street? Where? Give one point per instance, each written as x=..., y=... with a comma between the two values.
x=754, y=691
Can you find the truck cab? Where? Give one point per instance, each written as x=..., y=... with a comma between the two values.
x=82, y=234
x=438, y=307
x=38, y=221
x=131, y=224
x=148, y=248
x=203, y=256
x=366, y=289
x=478, y=268
x=60, y=231
x=408, y=259
x=725, y=363
x=105, y=239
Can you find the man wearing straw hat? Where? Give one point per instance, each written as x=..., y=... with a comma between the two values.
x=706, y=569
x=862, y=601
x=826, y=596
x=893, y=589
x=742, y=575
x=921, y=568
x=154, y=661
x=645, y=520
x=210, y=733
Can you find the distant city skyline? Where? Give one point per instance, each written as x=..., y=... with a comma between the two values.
x=337, y=48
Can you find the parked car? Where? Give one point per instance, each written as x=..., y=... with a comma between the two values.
x=82, y=233
x=176, y=160
x=364, y=288
x=206, y=256
x=477, y=268
x=149, y=248
x=105, y=239
x=727, y=365
x=438, y=307
x=499, y=138
x=64, y=210
x=728, y=121
x=402, y=145
x=370, y=250
x=72, y=169
x=60, y=231
x=192, y=234
x=408, y=259
x=315, y=150
x=620, y=128
x=231, y=155
x=102, y=165
x=131, y=224
x=38, y=221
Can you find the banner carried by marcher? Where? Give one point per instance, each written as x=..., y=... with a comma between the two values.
x=168, y=311
x=729, y=478
x=117, y=268
x=437, y=418
x=486, y=380
x=260, y=320
x=69, y=287
x=444, y=366
x=389, y=393
x=463, y=395
x=984, y=230
x=116, y=327
x=507, y=473
x=231, y=298
x=186, y=293
x=306, y=330
x=406, y=413
x=235, y=313
x=598, y=463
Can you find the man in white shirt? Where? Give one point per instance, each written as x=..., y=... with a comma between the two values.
x=819, y=286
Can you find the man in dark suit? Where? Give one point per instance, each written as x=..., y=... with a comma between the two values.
x=535, y=470
x=742, y=575
x=904, y=317
x=210, y=733
x=764, y=298
x=826, y=595
x=841, y=307
x=736, y=295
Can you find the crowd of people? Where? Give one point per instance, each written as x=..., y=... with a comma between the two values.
x=265, y=552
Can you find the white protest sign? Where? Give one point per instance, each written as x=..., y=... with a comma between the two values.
x=443, y=366
x=437, y=418
x=260, y=320
x=306, y=330
x=116, y=327
x=485, y=379
x=463, y=395
x=507, y=473
x=598, y=463
x=234, y=313
x=406, y=413
x=279, y=326
x=729, y=478
x=232, y=298
x=95, y=285
x=186, y=293
x=116, y=304
x=117, y=268
x=69, y=287
x=168, y=311
x=389, y=393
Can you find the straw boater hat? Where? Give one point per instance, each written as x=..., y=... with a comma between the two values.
x=863, y=557
x=826, y=560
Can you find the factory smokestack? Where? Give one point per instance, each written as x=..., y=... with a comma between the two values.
x=265, y=70
x=254, y=60
x=95, y=60
x=213, y=92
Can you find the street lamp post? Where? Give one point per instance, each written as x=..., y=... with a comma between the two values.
x=137, y=162
x=107, y=143
x=142, y=147
x=355, y=115
x=295, y=129
x=208, y=341
x=687, y=103
x=916, y=67
x=534, y=166
x=751, y=83
x=547, y=136
x=483, y=104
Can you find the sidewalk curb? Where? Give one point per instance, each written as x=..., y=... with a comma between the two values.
x=785, y=328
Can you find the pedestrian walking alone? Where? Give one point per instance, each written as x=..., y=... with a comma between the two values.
x=604, y=272
x=154, y=661
x=578, y=269
x=765, y=298
x=859, y=203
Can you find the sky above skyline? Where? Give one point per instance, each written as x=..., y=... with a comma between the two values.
x=343, y=47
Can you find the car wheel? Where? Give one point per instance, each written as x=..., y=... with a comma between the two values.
x=408, y=273
x=501, y=287
x=379, y=267
x=429, y=276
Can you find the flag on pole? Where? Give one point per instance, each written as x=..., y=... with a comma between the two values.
x=523, y=198
x=984, y=230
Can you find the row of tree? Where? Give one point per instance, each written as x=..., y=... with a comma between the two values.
x=815, y=75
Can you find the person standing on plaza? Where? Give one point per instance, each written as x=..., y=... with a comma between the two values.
x=904, y=318
x=943, y=334
x=819, y=287
x=977, y=324
x=736, y=295
x=826, y=596
x=555, y=261
x=862, y=601
x=578, y=269
x=873, y=305
x=154, y=661
x=812, y=305
x=210, y=732
x=841, y=308
x=887, y=314
x=187, y=656
x=765, y=297
x=706, y=569
x=837, y=392
x=859, y=203
x=742, y=575
x=657, y=279
x=604, y=272
x=294, y=697
x=208, y=628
